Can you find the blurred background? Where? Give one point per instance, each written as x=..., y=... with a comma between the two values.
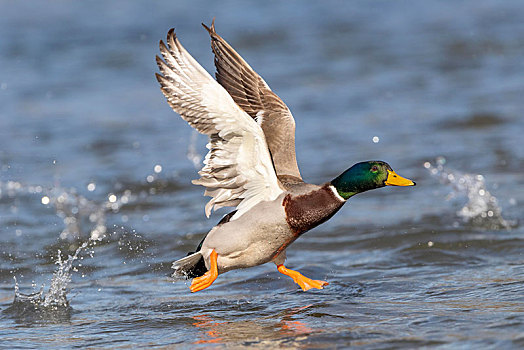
x=95, y=165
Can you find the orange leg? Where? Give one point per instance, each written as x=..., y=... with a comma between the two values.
x=304, y=282
x=209, y=277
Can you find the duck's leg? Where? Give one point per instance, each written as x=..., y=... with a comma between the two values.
x=209, y=277
x=304, y=282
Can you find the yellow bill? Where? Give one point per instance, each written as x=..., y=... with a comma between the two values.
x=397, y=180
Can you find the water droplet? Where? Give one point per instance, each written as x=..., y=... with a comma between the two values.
x=150, y=178
x=157, y=168
x=430, y=244
x=112, y=198
x=482, y=192
x=440, y=160
x=91, y=187
x=427, y=165
x=45, y=200
x=376, y=139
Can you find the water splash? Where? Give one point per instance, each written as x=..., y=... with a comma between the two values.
x=482, y=208
x=50, y=306
x=56, y=295
x=82, y=217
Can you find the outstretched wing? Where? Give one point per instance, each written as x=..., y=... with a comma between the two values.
x=238, y=169
x=254, y=96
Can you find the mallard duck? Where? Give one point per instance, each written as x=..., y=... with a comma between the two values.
x=251, y=165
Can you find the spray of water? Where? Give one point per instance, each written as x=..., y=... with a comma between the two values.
x=482, y=207
x=56, y=296
x=83, y=220
x=57, y=293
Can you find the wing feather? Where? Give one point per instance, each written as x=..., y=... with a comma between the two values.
x=237, y=168
x=254, y=96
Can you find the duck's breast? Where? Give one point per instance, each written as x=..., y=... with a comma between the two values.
x=306, y=210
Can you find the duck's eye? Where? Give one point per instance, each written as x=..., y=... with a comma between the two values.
x=374, y=168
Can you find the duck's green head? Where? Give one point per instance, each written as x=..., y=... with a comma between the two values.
x=366, y=176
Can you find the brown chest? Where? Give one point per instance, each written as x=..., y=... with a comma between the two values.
x=303, y=212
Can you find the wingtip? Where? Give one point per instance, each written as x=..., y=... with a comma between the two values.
x=211, y=29
x=159, y=77
x=171, y=35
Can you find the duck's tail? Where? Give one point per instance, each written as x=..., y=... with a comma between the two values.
x=191, y=266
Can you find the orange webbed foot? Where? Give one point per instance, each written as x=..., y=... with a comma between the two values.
x=209, y=277
x=304, y=282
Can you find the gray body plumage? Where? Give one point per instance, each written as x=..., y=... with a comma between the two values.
x=253, y=239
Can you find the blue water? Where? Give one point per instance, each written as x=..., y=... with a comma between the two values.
x=91, y=153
